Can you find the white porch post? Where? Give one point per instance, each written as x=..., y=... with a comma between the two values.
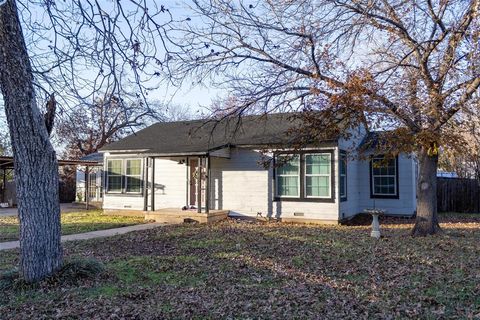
x=199, y=185
x=207, y=184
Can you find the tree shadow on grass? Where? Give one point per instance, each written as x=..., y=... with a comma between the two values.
x=235, y=269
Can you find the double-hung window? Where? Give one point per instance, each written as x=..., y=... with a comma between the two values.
x=133, y=176
x=384, y=177
x=288, y=176
x=304, y=176
x=343, y=176
x=124, y=176
x=318, y=175
x=114, y=175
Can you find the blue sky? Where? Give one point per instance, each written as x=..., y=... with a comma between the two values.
x=198, y=97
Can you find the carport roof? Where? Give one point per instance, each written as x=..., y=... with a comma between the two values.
x=7, y=162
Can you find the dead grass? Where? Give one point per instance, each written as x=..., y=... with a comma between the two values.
x=72, y=223
x=255, y=270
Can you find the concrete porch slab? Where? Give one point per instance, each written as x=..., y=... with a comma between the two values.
x=173, y=215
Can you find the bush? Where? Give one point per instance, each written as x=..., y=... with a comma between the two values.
x=80, y=268
x=10, y=279
x=73, y=269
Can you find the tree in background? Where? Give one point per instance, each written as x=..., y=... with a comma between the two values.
x=74, y=50
x=464, y=164
x=409, y=66
x=87, y=128
x=3, y=144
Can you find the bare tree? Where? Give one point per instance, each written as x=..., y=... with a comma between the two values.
x=73, y=50
x=177, y=112
x=465, y=164
x=411, y=66
x=88, y=128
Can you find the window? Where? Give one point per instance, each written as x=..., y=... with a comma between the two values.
x=304, y=176
x=343, y=176
x=384, y=177
x=124, y=176
x=317, y=175
x=133, y=176
x=288, y=176
x=114, y=175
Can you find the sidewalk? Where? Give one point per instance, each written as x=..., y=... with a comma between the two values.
x=92, y=234
x=64, y=207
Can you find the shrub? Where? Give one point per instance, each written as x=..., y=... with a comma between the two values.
x=73, y=269
x=80, y=268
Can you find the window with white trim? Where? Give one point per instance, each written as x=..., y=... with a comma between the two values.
x=288, y=176
x=304, y=176
x=343, y=176
x=133, y=176
x=317, y=175
x=124, y=176
x=114, y=175
x=384, y=177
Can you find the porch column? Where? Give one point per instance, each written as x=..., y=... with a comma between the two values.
x=152, y=205
x=207, y=184
x=145, y=184
x=199, y=185
x=187, y=187
x=87, y=187
x=4, y=186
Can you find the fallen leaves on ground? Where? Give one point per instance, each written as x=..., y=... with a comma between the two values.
x=238, y=269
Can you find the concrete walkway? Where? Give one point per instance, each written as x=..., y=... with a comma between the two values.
x=92, y=234
x=64, y=207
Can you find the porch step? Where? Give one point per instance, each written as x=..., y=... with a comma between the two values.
x=181, y=216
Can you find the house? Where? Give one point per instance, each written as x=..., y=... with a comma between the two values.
x=212, y=166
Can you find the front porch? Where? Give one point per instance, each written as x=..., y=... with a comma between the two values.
x=173, y=215
x=171, y=188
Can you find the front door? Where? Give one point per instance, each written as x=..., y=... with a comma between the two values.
x=193, y=181
x=196, y=178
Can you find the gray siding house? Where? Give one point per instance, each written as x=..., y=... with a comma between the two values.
x=205, y=166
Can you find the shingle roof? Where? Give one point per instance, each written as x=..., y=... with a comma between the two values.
x=203, y=135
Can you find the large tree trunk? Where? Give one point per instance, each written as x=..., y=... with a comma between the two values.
x=36, y=169
x=427, y=219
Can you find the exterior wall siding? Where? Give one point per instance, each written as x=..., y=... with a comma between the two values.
x=406, y=203
x=240, y=184
x=170, y=183
x=350, y=206
x=358, y=189
x=119, y=201
x=358, y=182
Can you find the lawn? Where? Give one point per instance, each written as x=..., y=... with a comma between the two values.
x=266, y=270
x=73, y=222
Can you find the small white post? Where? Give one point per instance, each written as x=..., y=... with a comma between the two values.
x=375, y=227
x=375, y=213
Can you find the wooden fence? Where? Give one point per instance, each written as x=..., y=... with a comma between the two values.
x=458, y=195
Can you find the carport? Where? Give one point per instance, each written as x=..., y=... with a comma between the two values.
x=7, y=172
